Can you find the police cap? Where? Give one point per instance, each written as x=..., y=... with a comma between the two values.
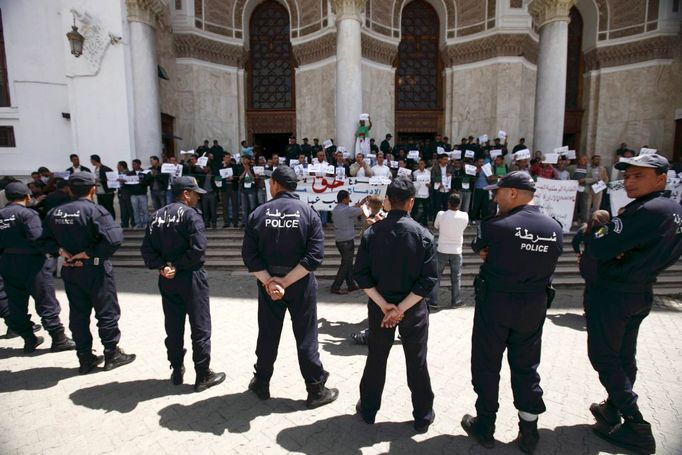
x=654, y=161
x=181, y=184
x=520, y=180
x=285, y=176
x=82, y=179
x=16, y=190
x=401, y=189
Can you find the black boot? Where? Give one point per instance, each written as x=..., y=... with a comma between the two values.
x=319, y=395
x=116, y=358
x=60, y=342
x=632, y=435
x=88, y=361
x=32, y=342
x=12, y=334
x=528, y=435
x=178, y=375
x=368, y=418
x=605, y=413
x=260, y=387
x=481, y=429
x=207, y=378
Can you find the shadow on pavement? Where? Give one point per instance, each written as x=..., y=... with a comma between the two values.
x=232, y=413
x=342, y=345
x=571, y=320
x=124, y=397
x=8, y=353
x=34, y=379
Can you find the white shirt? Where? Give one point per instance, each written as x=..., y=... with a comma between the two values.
x=451, y=226
x=381, y=171
x=422, y=187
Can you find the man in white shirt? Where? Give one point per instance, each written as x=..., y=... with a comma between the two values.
x=451, y=225
x=380, y=169
x=422, y=179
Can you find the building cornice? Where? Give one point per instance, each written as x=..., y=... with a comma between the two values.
x=489, y=47
x=656, y=48
x=188, y=45
x=146, y=11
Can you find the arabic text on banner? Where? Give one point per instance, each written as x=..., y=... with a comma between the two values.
x=619, y=198
x=556, y=198
x=320, y=192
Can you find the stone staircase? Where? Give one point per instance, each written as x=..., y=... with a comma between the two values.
x=224, y=254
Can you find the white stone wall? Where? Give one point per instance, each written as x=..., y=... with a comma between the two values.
x=316, y=102
x=208, y=105
x=378, y=98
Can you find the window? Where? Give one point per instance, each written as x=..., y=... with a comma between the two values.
x=271, y=72
x=7, y=136
x=4, y=81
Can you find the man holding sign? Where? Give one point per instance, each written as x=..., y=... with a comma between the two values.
x=628, y=253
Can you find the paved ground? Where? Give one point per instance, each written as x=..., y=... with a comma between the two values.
x=48, y=408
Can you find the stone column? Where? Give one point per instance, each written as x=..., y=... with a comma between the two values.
x=348, y=70
x=142, y=15
x=551, y=17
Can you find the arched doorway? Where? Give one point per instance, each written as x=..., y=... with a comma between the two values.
x=271, y=112
x=418, y=77
x=574, y=81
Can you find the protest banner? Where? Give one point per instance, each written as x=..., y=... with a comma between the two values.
x=556, y=198
x=619, y=198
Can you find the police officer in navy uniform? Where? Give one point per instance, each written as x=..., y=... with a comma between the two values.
x=283, y=245
x=86, y=236
x=27, y=271
x=625, y=256
x=397, y=267
x=175, y=245
x=511, y=304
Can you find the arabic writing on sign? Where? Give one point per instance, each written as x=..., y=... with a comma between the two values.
x=320, y=192
x=556, y=198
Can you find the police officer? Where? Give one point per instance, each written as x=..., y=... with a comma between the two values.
x=397, y=267
x=625, y=256
x=283, y=245
x=86, y=236
x=511, y=303
x=175, y=245
x=27, y=271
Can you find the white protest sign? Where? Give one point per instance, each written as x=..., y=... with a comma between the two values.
x=404, y=171
x=186, y=152
x=203, y=161
x=413, y=154
x=502, y=134
x=340, y=173
x=315, y=168
x=522, y=155
x=293, y=162
x=482, y=139
x=570, y=155
x=551, y=158
x=487, y=169
x=495, y=153
x=469, y=169
x=447, y=183
x=226, y=173
x=380, y=180
x=112, y=180
x=556, y=198
x=456, y=155
x=259, y=170
x=394, y=164
x=598, y=187
x=675, y=188
x=131, y=179
x=168, y=168
x=647, y=151
x=320, y=192
x=618, y=197
x=469, y=154
x=424, y=178
x=282, y=160
x=440, y=151
x=329, y=169
x=561, y=150
x=326, y=144
x=364, y=117
x=61, y=175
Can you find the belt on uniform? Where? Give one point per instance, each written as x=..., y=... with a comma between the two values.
x=22, y=251
x=280, y=270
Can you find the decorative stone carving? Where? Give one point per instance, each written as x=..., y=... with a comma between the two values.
x=147, y=11
x=659, y=47
x=315, y=50
x=348, y=8
x=378, y=50
x=194, y=46
x=500, y=45
x=96, y=42
x=544, y=11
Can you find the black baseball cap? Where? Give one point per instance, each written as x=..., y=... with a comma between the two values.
x=16, y=190
x=520, y=180
x=285, y=176
x=401, y=188
x=181, y=184
x=654, y=161
x=82, y=179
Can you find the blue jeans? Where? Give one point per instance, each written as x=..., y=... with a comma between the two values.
x=455, y=263
x=140, y=209
x=248, y=200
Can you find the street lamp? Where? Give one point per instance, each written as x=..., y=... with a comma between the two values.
x=75, y=40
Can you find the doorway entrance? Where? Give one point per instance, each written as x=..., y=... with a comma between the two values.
x=267, y=144
x=415, y=141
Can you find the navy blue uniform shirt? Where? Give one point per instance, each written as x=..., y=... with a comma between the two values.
x=80, y=226
x=20, y=228
x=637, y=245
x=176, y=234
x=523, y=248
x=396, y=256
x=283, y=232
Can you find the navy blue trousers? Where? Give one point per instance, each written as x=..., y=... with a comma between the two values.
x=4, y=304
x=187, y=295
x=30, y=276
x=613, y=320
x=512, y=322
x=92, y=287
x=414, y=333
x=301, y=300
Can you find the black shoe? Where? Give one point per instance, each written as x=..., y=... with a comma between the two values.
x=88, y=362
x=422, y=426
x=605, y=413
x=360, y=337
x=12, y=334
x=116, y=358
x=630, y=435
x=207, y=379
x=528, y=435
x=60, y=342
x=479, y=430
x=30, y=344
x=319, y=395
x=178, y=375
x=260, y=387
x=367, y=418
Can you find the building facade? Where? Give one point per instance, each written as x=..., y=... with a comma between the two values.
x=157, y=76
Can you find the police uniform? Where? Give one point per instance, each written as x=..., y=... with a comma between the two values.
x=511, y=304
x=280, y=235
x=27, y=271
x=176, y=236
x=624, y=258
x=397, y=256
x=82, y=226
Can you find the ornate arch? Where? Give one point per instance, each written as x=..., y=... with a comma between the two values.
x=243, y=9
x=445, y=9
x=592, y=17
